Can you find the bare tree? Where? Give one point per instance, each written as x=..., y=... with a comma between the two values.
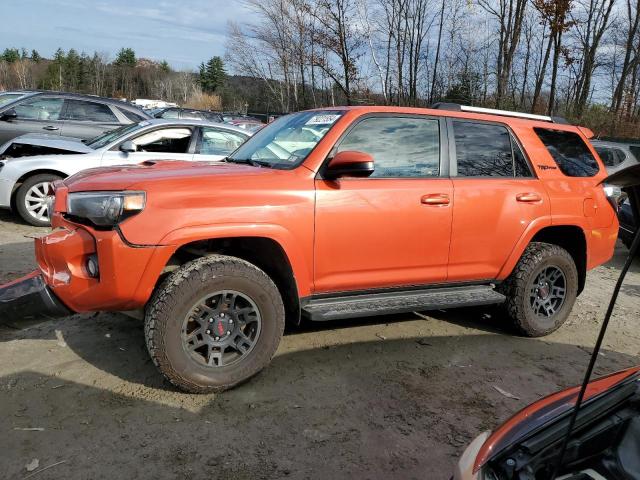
x=590, y=27
x=509, y=14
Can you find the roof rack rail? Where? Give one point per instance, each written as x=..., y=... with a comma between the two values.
x=455, y=107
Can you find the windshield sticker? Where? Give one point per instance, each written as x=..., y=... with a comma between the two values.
x=322, y=119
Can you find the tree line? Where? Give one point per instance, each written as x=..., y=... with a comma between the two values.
x=575, y=58
x=124, y=76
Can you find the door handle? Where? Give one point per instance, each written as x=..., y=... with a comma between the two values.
x=50, y=127
x=435, y=199
x=528, y=198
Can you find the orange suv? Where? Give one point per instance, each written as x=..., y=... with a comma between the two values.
x=328, y=214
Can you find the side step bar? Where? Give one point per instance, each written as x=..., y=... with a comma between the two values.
x=353, y=306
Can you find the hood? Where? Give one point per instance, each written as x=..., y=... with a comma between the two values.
x=156, y=172
x=546, y=411
x=67, y=144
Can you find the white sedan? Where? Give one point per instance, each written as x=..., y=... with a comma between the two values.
x=25, y=181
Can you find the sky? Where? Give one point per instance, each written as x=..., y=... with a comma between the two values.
x=182, y=32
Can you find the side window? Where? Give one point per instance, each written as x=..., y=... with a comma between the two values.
x=620, y=155
x=170, y=114
x=569, y=151
x=40, y=109
x=134, y=117
x=89, y=112
x=192, y=115
x=219, y=142
x=400, y=146
x=607, y=155
x=486, y=150
x=635, y=150
x=168, y=140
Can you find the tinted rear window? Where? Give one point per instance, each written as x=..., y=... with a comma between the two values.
x=571, y=154
x=487, y=150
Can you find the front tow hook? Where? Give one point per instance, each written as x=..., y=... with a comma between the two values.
x=29, y=296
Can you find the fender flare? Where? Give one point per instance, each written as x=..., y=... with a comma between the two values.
x=175, y=239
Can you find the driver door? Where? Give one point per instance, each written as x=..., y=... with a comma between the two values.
x=392, y=228
x=39, y=114
x=168, y=143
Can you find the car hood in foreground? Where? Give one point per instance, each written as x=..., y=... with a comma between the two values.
x=160, y=174
x=69, y=144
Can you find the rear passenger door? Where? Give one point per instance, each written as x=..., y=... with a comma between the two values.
x=392, y=228
x=85, y=119
x=496, y=196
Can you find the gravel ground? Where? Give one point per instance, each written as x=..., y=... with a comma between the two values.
x=388, y=397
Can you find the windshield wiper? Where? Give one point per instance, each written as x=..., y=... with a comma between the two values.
x=247, y=161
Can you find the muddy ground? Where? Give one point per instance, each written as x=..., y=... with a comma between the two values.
x=384, y=398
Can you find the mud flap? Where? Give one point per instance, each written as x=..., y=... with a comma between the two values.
x=27, y=297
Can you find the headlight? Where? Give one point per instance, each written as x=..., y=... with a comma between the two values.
x=105, y=208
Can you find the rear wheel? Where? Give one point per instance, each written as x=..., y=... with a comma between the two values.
x=31, y=199
x=541, y=290
x=214, y=323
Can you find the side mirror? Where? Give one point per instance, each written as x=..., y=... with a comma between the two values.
x=8, y=115
x=349, y=163
x=128, y=147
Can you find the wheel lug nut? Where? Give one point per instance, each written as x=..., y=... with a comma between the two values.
x=222, y=314
x=211, y=320
x=217, y=338
x=208, y=332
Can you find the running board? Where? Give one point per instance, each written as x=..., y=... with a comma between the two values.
x=353, y=306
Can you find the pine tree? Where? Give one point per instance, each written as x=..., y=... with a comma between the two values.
x=126, y=58
x=35, y=56
x=212, y=74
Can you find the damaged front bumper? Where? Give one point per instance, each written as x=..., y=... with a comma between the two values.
x=29, y=297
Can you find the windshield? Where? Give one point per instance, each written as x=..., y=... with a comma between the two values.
x=113, y=135
x=286, y=142
x=9, y=97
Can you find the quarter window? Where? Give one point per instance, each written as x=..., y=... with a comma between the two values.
x=487, y=150
x=569, y=151
x=40, y=109
x=400, y=146
x=134, y=117
x=80, y=110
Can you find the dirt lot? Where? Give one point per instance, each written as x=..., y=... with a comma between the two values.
x=393, y=397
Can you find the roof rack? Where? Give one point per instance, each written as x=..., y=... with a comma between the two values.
x=455, y=107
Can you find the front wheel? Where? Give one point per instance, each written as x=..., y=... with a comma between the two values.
x=541, y=290
x=214, y=323
x=31, y=199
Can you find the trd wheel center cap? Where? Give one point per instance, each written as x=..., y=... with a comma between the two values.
x=221, y=326
x=543, y=291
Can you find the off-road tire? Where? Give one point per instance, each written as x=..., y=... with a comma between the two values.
x=517, y=288
x=22, y=192
x=170, y=303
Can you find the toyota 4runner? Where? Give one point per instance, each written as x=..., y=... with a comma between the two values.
x=328, y=214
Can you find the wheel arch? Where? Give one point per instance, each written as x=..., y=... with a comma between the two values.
x=570, y=237
x=31, y=173
x=573, y=240
x=263, y=252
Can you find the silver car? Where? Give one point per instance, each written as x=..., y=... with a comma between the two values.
x=25, y=181
x=617, y=155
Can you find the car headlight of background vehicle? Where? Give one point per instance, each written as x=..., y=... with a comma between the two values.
x=105, y=209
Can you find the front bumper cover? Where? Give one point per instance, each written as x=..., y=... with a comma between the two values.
x=27, y=297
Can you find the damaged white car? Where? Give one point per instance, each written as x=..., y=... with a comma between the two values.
x=29, y=164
